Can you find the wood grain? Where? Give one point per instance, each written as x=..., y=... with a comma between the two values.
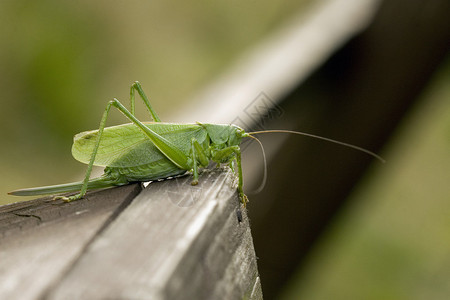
x=41, y=238
x=172, y=241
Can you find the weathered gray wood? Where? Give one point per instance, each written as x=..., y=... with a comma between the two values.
x=174, y=241
x=39, y=239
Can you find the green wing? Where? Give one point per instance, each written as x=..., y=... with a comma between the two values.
x=126, y=146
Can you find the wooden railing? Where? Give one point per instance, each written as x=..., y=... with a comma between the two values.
x=168, y=241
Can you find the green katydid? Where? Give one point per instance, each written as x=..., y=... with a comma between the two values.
x=145, y=151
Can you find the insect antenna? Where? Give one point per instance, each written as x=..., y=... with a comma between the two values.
x=264, y=180
x=320, y=138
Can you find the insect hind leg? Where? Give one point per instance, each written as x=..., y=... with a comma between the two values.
x=130, y=116
x=84, y=186
x=136, y=86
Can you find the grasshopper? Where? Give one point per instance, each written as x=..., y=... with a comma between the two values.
x=145, y=151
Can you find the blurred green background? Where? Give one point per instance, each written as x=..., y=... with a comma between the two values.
x=61, y=62
x=392, y=240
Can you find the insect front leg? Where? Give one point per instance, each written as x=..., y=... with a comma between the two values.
x=229, y=154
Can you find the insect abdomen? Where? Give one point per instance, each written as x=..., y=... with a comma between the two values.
x=155, y=170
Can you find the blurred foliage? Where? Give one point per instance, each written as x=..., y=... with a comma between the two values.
x=61, y=61
x=392, y=241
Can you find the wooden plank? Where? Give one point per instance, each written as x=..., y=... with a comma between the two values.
x=174, y=241
x=40, y=239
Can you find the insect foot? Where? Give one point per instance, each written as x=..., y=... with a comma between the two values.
x=67, y=199
x=244, y=200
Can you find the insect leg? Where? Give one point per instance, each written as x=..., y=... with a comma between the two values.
x=243, y=197
x=165, y=146
x=172, y=152
x=91, y=162
x=197, y=154
x=224, y=154
x=194, y=164
x=136, y=86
